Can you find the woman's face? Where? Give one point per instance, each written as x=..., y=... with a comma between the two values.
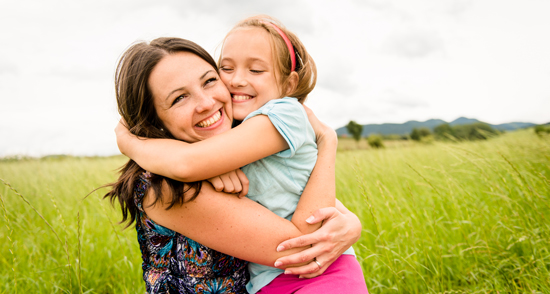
x=189, y=97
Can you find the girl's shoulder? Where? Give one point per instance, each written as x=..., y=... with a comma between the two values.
x=285, y=101
x=286, y=107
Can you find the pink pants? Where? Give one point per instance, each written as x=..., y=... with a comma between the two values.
x=342, y=276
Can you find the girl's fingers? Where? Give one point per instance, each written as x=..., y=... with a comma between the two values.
x=244, y=182
x=217, y=183
x=123, y=122
x=231, y=182
x=121, y=128
x=228, y=183
x=235, y=182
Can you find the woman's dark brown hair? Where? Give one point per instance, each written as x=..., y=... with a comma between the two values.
x=135, y=105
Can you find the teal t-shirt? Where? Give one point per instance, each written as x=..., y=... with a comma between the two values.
x=277, y=181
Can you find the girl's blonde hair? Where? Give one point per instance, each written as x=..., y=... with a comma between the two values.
x=305, y=66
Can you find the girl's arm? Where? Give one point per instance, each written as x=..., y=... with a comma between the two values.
x=235, y=148
x=205, y=159
x=320, y=190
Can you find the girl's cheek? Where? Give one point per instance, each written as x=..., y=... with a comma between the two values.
x=223, y=78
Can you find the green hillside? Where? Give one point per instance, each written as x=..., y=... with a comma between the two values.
x=406, y=128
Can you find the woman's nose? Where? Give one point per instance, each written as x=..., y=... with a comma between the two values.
x=205, y=103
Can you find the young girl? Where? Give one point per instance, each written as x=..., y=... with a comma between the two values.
x=261, y=62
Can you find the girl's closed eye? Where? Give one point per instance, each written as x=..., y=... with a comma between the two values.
x=226, y=69
x=257, y=71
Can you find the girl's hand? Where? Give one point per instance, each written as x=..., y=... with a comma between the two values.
x=122, y=135
x=338, y=233
x=232, y=182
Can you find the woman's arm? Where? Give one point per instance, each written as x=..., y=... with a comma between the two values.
x=245, y=229
x=205, y=159
x=223, y=222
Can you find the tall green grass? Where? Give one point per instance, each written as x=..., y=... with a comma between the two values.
x=467, y=217
x=453, y=217
x=57, y=241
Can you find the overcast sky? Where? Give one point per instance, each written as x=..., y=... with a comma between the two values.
x=378, y=61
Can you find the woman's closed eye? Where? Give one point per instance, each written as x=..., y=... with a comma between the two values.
x=210, y=81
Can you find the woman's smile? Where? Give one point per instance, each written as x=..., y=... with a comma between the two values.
x=215, y=118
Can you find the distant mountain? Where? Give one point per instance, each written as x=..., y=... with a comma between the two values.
x=513, y=126
x=406, y=128
x=463, y=121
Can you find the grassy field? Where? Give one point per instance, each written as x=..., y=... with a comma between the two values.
x=467, y=217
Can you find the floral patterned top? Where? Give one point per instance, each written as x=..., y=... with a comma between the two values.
x=173, y=263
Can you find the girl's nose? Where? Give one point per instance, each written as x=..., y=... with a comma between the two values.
x=238, y=80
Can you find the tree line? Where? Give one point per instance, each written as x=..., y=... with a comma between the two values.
x=467, y=132
x=542, y=130
x=355, y=129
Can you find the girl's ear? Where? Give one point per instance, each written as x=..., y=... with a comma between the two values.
x=292, y=83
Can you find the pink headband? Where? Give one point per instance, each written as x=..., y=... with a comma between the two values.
x=287, y=42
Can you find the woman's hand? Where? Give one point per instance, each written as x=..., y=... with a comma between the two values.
x=341, y=228
x=232, y=182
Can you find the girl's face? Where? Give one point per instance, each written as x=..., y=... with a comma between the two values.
x=189, y=97
x=247, y=69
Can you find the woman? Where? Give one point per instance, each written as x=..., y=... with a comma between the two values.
x=176, y=221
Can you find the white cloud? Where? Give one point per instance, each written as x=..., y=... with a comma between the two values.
x=414, y=44
x=378, y=61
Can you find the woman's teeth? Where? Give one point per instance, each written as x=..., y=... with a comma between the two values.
x=211, y=120
x=241, y=97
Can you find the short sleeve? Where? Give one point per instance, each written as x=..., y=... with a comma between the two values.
x=290, y=119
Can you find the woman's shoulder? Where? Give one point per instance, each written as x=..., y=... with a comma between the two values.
x=173, y=260
x=141, y=187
